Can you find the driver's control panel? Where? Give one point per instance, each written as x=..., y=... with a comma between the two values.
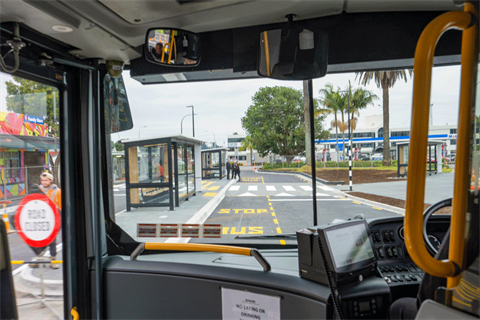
x=401, y=274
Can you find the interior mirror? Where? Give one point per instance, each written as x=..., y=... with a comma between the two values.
x=117, y=109
x=172, y=47
x=293, y=53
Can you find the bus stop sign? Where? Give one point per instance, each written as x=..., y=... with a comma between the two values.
x=37, y=220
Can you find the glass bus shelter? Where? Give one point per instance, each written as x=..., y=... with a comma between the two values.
x=434, y=155
x=160, y=172
x=213, y=163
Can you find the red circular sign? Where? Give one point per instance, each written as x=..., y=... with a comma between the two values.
x=37, y=220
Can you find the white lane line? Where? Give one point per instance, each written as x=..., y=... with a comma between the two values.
x=289, y=188
x=284, y=195
x=252, y=188
x=306, y=188
x=323, y=195
x=307, y=200
x=271, y=188
x=234, y=188
x=325, y=188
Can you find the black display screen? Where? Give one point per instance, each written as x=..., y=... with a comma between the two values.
x=364, y=306
x=349, y=245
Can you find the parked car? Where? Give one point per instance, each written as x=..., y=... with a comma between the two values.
x=365, y=157
x=377, y=157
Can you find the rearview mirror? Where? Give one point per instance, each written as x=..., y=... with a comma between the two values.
x=293, y=53
x=172, y=47
x=117, y=109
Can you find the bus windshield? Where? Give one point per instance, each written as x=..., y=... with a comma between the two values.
x=229, y=161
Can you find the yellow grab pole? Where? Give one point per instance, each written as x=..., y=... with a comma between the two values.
x=419, y=141
x=171, y=47
x=462, y=170
x=267, y=52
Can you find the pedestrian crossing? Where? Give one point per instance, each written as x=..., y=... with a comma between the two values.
x=278, y=190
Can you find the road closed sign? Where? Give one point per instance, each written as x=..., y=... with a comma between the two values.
x=37, y=220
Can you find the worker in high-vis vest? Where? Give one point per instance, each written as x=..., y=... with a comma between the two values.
x=52, y=191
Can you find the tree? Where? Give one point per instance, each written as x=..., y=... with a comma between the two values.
x=34, y=99
x=275, y=122
x=119, y=146
x=247, y=144
x=384, y=80
x=359, y=99
x=332, y=102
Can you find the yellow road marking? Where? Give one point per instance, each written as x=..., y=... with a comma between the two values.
x=273, y=214
x=271, y=208
x=342, y=198
x=210, y=194
x=263, y=180
x=377, y=208
x=275, y=221
x=282, y=242
x=207, y=184
x=356, y=202
x=270, y=204
x=213, y=188
x=279, y=231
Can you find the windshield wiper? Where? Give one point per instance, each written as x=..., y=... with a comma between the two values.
x=270, y=236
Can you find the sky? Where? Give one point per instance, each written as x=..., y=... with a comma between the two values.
x=157, y=110
x=220, y=105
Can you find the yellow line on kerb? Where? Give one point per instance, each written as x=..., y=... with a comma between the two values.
x=282, y=242
x=377, y=208
x=356, y=202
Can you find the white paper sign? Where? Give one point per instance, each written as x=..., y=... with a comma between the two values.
x=243, y=305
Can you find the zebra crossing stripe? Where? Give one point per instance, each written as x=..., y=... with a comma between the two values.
x=252, y=188
x=234, y=188
x=306, y=188
x=325, y=188
x=271, y=188
x=289, y=188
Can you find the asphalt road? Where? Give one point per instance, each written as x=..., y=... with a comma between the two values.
x=274, y=204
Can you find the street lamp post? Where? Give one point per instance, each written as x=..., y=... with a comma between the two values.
x=139, y=130
x=193, y=119
x=214, y=139
x=181, y=122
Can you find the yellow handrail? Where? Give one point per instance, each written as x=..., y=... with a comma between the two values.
x=267, y=52
x=172, y=41
x=419, y=140
x=200, y=247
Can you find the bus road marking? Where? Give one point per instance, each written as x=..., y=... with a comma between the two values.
x=236, y=211
x=243, y=230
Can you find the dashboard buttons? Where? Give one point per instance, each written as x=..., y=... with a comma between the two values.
x=386, y=237
x=392, y=236
x=381, y=253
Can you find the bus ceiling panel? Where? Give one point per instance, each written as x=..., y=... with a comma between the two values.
x=201, y=16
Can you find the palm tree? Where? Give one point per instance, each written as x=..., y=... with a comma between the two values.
x=385, y=80
x=247, y=144
x=332, y=101
x=360, y=99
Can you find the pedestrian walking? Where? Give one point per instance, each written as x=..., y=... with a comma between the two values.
x=229, y=168
x=52, y=191
x=237, y=170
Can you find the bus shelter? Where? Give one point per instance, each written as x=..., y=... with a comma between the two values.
x=434, y=154
x=160, y=172
x=213, y=163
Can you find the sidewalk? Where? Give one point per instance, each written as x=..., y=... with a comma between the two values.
x=196, y=210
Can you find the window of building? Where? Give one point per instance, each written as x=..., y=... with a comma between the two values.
x=400, y=133
x=453, y=131
x=453, y=142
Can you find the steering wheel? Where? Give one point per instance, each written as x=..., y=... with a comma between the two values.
x=426, y=216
